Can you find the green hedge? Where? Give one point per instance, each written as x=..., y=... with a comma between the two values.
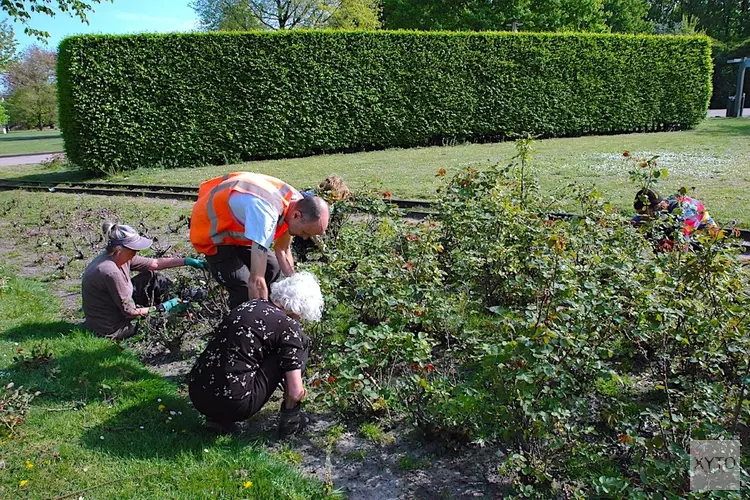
x=186, y=99
x=725, y=75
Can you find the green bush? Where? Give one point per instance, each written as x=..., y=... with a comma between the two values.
x=167, y=100
x=570, y=344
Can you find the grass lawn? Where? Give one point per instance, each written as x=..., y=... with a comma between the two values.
x=714, y=158
x=105, y=427
x=30, y=142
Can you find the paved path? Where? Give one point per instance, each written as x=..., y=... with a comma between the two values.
x=713, y=113
x=6, y=161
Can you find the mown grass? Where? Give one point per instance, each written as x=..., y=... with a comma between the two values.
x=102, y=426
x=714, y=158
x=30, y=142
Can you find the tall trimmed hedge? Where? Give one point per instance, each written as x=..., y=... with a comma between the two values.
x=186, y=99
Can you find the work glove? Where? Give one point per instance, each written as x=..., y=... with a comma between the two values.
x=174, y=304
x=196, y=263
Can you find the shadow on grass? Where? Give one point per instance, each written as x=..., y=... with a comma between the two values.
x=730, y=127
x=57, y=176
x=149, y=419
x=39, y=331
x=41, y=137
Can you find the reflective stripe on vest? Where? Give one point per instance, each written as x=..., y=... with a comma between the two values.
x=214, y=223
x=284, y=193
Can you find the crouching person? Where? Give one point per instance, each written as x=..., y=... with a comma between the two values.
x=258, y=347
x=111, y=299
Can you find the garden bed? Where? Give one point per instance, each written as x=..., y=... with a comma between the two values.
x=556, y=358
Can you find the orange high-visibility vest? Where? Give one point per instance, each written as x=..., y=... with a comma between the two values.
x=213, y=222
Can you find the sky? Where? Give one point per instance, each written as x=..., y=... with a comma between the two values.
x=120, y=16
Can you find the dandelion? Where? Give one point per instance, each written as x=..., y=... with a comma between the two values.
x=23, y=483
x=29, y=465
x=162, y=407
x=247, y=484
x=166, y=421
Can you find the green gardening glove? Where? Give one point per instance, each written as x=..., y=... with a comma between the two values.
x=196, y=263
x=175, y=305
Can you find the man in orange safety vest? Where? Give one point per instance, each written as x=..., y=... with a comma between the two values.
x=236, y=220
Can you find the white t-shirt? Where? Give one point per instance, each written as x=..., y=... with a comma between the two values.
x=258, y=216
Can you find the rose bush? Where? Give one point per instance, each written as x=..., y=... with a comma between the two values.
x=590, y=358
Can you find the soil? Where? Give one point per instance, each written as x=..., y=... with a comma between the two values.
x=406, y=468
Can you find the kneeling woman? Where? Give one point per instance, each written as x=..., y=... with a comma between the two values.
x=109, y=294
x=257, y=347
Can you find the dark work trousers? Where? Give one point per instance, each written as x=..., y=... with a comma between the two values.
x=231, y=268
x=225, y=411
x=149, y=288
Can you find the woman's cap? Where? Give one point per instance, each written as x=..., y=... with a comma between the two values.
x=129, y=238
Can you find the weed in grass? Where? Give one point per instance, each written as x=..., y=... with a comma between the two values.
x=55, y=163
x=409, y=463
x=288, y=455
x=40, y=355
x=356, y=455
x=14, y=404
x=375, y=434
x=333, y=434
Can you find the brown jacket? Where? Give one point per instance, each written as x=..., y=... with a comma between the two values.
x=108, y=293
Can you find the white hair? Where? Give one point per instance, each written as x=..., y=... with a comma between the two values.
x=299, y=294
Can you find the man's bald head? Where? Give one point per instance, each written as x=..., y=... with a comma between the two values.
x=308, y=217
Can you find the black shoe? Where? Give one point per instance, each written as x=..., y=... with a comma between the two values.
x=291, y=421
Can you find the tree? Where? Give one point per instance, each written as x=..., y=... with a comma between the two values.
x=725, y=20
x=3, y=118
x=30, y=85
x=225, y=15
x=480, y=15
x=243, y=15
x=8, y=44
x=21, y=10
x=627, y=16
x=356, y=14
x=289, y=14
